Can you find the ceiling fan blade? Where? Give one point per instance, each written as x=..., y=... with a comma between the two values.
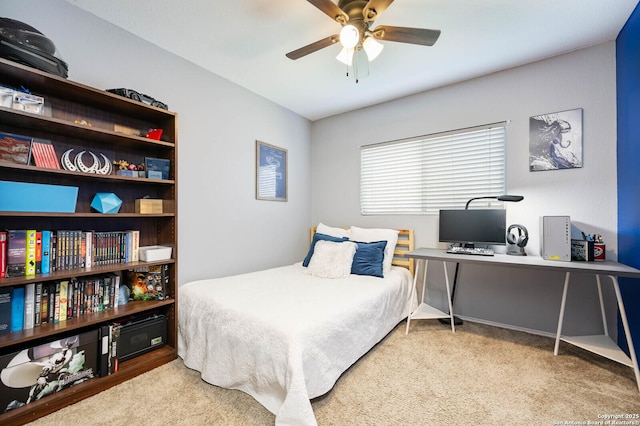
x=374, y=9
x=331, y=10
x=310, y=48
x=407, y=35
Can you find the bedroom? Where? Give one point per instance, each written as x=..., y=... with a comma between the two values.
x=224, y=208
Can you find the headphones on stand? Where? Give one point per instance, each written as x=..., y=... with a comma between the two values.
x=517, y=237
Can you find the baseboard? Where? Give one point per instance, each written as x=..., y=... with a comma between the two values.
x=508, y=326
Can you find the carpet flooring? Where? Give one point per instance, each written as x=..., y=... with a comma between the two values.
x=480, y=375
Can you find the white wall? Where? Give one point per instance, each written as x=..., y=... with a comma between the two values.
x=583, y=79
x=222, y=228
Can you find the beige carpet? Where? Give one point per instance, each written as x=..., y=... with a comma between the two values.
x=480, y=375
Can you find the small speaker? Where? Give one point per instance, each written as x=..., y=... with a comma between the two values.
x=555, y=238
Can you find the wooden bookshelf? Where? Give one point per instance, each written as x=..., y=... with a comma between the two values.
x=66, y=102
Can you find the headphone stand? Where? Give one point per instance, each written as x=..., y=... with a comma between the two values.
x=516, y=251
x=517, y=240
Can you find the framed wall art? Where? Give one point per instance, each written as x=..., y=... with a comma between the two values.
x=271, y=172
x=15, y=148
x=157, y=168
x=555, y=140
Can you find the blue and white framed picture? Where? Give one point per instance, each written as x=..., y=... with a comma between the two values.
x=271, y=172
x=555, y=141
x=157, y=168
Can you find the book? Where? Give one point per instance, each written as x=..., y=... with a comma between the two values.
x=104, y=352
x=43, y=154
x=5, y=310
x=113, y=356
x=46, y=252
x=117, y=298
x=38, y=306
x=38, y=252
x=16, y=252
x=56, y=302
x=133, y=245
x=52, y=156
x=3, y=254
x=72, y=297
x=88, y=248
x=53, y=251
x=63, y=300
x=44, y=303
x=147, y=283
x=29, y=306
x=17, y=308
x=106, y=296
x=30, y=260
x=37, y=155
x=52, y=303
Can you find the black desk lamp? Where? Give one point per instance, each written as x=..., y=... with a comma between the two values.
x=514, y=198
x=505, y=197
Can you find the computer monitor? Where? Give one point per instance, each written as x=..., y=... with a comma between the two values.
x=477, y=226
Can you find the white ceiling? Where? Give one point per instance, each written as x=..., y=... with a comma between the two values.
x=245, y=41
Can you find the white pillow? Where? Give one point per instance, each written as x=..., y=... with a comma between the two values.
x=330, y=230
x=332, y=260
x=371, y=235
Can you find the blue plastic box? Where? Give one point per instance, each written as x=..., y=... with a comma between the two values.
x=39, y=198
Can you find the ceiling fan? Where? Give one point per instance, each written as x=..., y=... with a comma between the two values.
x=356, y=18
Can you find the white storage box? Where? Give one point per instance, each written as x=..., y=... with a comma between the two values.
x=154, y=253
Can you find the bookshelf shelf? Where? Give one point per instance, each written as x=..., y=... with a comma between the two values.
x=82, y=322
x=128, y=370
x=117, y=130
x=78, y=175
x=96, y=216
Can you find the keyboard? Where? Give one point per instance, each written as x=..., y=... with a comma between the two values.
x=479, y=251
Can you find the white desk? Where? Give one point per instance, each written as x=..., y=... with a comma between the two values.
x=599, y=344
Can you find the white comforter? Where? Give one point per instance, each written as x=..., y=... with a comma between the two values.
x=284, y=336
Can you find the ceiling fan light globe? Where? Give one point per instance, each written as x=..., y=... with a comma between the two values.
x=349, y=36
x=346, y=56
x=372, y=47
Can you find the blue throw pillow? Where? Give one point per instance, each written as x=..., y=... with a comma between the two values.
x=317, y=237
x=369, y=258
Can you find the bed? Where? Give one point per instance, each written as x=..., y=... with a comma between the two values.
x=286, y=334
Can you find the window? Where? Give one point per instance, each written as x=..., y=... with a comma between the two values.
x=428, y=173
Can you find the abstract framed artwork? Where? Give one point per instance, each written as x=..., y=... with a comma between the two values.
x=271, y=172
x=157, y=168
x=555, y=140
x=15, y=148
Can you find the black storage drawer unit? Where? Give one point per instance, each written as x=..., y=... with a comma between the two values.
x=141, y=336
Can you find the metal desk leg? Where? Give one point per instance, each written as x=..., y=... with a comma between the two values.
x=446, y=280
x=414, y=289
x=602, y=311
x=627, y=332
x=561, y=318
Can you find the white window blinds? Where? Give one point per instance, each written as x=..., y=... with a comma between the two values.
x=429, y=173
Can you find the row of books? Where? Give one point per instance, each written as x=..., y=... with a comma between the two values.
x=31, y=305
x=31, y=252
